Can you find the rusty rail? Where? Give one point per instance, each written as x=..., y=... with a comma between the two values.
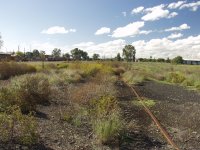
x=158, y=124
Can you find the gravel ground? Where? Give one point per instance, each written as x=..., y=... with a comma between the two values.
x=178, y=109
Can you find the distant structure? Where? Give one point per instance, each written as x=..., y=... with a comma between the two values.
x=191, y=62
x=5, y=56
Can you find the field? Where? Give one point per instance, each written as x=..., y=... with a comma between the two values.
x=88, y=105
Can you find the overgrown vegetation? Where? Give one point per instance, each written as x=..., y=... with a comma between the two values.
x=8, y=70
x=16, y=127
x=106, y=120
x=185, y=75
x=26, y=92
x=88, y=91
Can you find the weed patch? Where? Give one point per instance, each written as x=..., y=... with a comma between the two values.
x=147, y=102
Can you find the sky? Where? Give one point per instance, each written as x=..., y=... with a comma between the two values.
x=157, y=28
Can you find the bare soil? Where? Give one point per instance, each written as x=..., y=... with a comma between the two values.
x=178, y=109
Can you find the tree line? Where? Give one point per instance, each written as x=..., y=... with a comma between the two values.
x=128, y=54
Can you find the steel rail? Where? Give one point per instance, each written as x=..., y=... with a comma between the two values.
x=158, y=124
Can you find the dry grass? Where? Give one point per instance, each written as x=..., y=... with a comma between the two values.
x=9, y=69
x=186, y=75
x=26, y=92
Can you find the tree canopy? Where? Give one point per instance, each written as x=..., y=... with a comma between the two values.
x=177, y=60
x=56, y=53
x=118, y=57
x=36, y=53
x=129, y=52
x=78, y=54
x=95, y=56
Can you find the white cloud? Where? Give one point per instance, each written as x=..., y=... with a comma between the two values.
x=192, y=6
x=157, y=12
x=187, y=47
x=72, y=30
x=57, y=30
x=107, y=49
x=131, y=29
x=175, y=36
x=83, y=44
x=103, y=30
x=172, y=15
x=47, y=47
x=180, y=28
x=145, y=31
x=175, y=5
x=137, y=10
x=124, y=13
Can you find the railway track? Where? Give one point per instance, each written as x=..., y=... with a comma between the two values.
x=153, y=117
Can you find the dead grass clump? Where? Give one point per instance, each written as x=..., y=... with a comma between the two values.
x=64, y=77
x=118, y=71
x=8, y=69
x=134, y=77
x=94, y=89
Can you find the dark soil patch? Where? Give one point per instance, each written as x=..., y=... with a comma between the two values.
x=178, y=109
x=141, y=135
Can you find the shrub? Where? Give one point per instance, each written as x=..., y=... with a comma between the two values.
x=174, y=77
x=106, y=121
x=105, y=106
x=134, y=77
x=16, y=126
x=12, y=69
x=62, y=66
x=26, y=91
x=63, y=77
x=107, y=128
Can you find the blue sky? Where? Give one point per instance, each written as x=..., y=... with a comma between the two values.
x=157, y=28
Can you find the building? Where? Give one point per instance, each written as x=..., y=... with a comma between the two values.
x=5, y=56
x=191, y=62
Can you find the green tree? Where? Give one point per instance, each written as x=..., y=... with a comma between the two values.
x=95, y=56
x=29, y=55
x=118, y=57
x=177, y=60
x=78, y=54
x=84, y=55
x=168, y=60
x=36, y=53
x=160, y=60
x=67, y=56
x=20, y=54
x=129, y=52
x=56, y=53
